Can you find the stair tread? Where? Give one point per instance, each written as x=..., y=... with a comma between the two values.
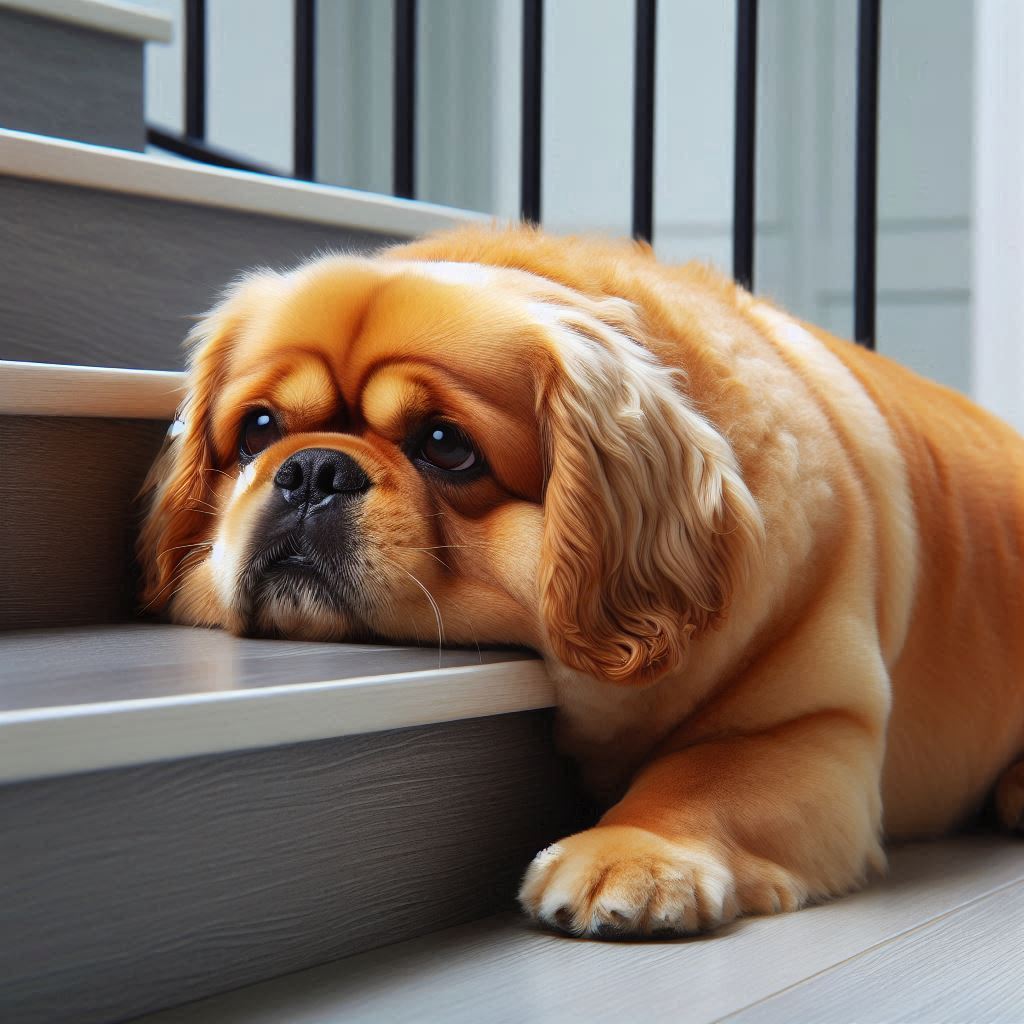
x=103, y=168
x=119, y=17
x=92, y=664
x=189, y=691
x=57, y=389
x=501, y=969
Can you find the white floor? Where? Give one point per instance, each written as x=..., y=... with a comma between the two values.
x=940, y=940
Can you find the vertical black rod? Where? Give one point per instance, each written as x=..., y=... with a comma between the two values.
x=304, y=129
x=195, y=68
x=405, y=99
x=643, y=120
x=533, y=83
x=866, y=228
x=745, y=150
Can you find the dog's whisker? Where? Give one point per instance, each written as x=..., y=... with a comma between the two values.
x=467, y=621
x=427, y=551
x=437, y=613
x=176, y=578
x=181, y=547
x=442, y=547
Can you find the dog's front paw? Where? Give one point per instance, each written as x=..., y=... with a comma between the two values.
x=618, y=880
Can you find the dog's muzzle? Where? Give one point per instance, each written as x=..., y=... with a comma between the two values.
x=307, y=541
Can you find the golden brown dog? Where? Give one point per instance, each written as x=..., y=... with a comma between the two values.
x=778, y=580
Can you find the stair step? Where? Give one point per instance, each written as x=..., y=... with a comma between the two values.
x=939, y=939
x=113, y=17
x=76, y=444
x=109, y=254
x=186, y=812
x=74, y=68
x=92, y=698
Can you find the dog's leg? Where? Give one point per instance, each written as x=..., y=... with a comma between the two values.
x=755, y=823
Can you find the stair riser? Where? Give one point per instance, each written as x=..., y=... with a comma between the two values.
x=101, y=278
x=132, y=890
x=71, y=82
x=70, y=517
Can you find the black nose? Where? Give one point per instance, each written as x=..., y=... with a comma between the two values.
x=314, y=474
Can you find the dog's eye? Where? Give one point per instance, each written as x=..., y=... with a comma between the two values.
x=447, y=447
x=259, y=431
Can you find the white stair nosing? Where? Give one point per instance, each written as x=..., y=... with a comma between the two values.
x=113, y=16
x=42, y=158
x=56, y=741
x=50, y=389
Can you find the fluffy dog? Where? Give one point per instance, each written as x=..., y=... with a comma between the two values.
x=778, y=580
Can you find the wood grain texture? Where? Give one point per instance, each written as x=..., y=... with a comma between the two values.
x=67, y=520
x=102, y=279
x=70, y=81
x=965, y=966
x=131, y=890
x=503, y=971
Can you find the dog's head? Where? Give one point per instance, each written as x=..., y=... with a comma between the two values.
x=405, y=448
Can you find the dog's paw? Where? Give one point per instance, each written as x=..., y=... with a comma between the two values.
x=619, y=880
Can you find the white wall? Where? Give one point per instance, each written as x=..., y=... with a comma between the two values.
x=249, y=78
x=998, y=264
x=468, y=134
x=924, y=189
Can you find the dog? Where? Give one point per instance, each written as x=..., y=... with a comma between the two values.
x=778, y=580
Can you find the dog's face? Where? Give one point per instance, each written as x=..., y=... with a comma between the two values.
x=415, y=451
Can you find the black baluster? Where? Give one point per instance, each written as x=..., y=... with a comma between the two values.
x=643, y=120
x=533, y=80
x=866, y=226
x=405, y=99
x=304, y=145
x=195, y=68
x=745, y=152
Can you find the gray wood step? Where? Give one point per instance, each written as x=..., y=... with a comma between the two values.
x=940, y=940
x=108, y=255
x=93, y=698
x=76, y=444
x=69, y=522
x=74, y=69
x=186, y=812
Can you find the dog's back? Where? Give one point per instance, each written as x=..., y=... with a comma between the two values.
x=958, y=684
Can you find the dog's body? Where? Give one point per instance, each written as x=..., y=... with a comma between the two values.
x=778, y=580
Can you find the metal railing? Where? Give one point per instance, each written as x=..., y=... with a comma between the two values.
x=194, y=145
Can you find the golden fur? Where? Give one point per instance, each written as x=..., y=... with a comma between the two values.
x=777, y=579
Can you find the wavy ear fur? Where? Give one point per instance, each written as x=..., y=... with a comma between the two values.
x=648, y=525
x=178, y=488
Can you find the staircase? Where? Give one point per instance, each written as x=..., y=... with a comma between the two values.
x=195, y=827
x=184, y=812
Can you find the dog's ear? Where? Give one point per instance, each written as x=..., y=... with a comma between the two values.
x=177, y=490
x=648, y=525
